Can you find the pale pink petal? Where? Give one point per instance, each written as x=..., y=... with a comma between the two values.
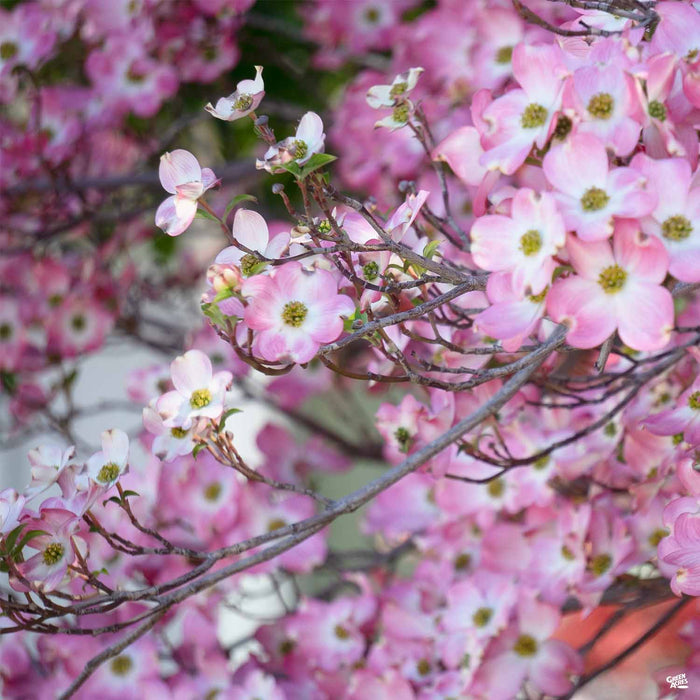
x=493, y=245
x=648, y=318
x=177, y=168
x=250, y=229
x=191, y=371
x=643, y=257
x=461, y=150
x=277, y=245
x=583, y=306
x=115, y=446
x=576, y=165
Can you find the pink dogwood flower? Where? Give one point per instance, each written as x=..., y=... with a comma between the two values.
x=589, y=194
x=511, y=318
x=602, y=94
x=48, y=462
x=250, y=230
x=523, y=117
x=402, y=219
x=523, y=243
x=675, y=221
x=198, y=393
x=182, y=176
x=46, y=569
x=308, y=140
x=616, y=288
x=379, y=96
x=526, y=651
x=294, y=312
x=105, y=467
x=684, y=418
x=11, y=506
x=243, y=101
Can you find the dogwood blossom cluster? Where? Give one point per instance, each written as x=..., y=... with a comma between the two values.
x=517, y=299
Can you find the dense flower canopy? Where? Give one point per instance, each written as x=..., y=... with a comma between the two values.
x=503, y=320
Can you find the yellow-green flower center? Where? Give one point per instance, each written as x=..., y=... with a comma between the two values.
x=657, y=110
x=531, y=242
x=121, y=665
x=341, y=632
x=370, y=271
x=525, y=645
x=200, y=398
x=482, y=617
x=178, y=433
x=694, y=401
x=53, y=553
x=534, y=116
x=541, y=463
x=8, y=50
x=403, y=437
x=462, y=561
x=612, y=279
x=676, y=228
x=504, y=54
x=398, y=89
x=400, y=113
x=248, y=264
x=610, y=430
x=5, y=331
x=594, y=199
x=286, y=646
x=600, y=564
x=109, y=472
x=243, y=102
x=423, y=667
x=294, y=313
x=324, y=226
x=567, y=553
x=496, y=488
x=657, y=536
x=135, y=76
x=78, y=323
x=563, y=127
x=601, y=105
x=275, y=524
x=539, y=298
x=299, y=148
x=213, y=491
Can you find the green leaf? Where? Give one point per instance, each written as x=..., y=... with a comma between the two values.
x=257, y=268
x=318, y=160
x=28, y=536
x=236, y=201
x=11, y=539
x=197, y=449
x=430, y=249
x=293, y=168
x=202, y=214
x=222, y=420
x=224, y=294
x=112, y=499
x=126, y=494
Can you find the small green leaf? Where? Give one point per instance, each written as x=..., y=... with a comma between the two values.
x=126, y=494
x=197, y=449
x=27, y=537
x=112, y=499
x=257, y=268
x=202, y=214
x=236, y=201
x=430, y=249
x=224, y=294
x=318, y=160
x=11, y=538
x=222, y=420
x=293, y=168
